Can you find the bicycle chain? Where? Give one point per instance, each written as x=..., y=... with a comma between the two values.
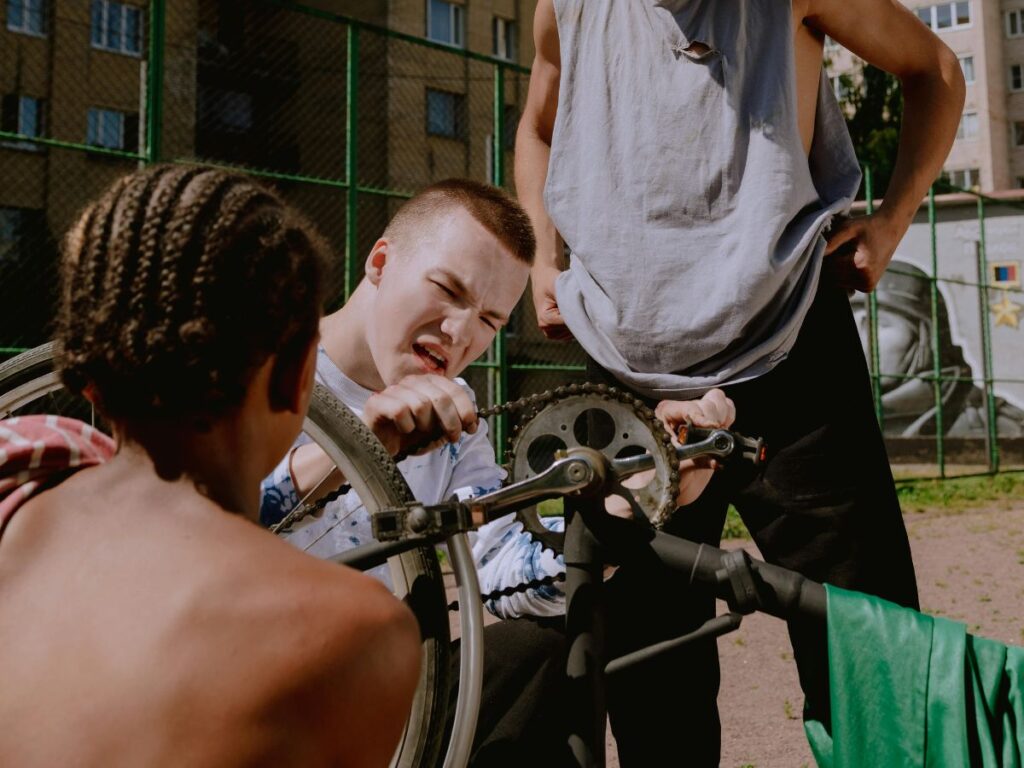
x=301, y=511
x=529, y=406
x=547, y=581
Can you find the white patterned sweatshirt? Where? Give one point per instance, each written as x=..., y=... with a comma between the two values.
x=505, y=555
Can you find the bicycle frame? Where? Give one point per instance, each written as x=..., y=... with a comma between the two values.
x=592, y=539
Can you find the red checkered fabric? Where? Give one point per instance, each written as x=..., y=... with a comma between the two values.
x=37, y=451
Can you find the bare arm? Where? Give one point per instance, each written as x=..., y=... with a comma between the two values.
x=533, y=150
x=933, y=93
x=364, y=688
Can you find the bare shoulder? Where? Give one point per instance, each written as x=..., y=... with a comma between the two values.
x=545, y=33
x=327, y=639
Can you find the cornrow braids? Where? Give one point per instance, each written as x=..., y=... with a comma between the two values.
x=197, y=205
x=236, y=202
x=147, y=259
x=203, y=275
x=129, y=212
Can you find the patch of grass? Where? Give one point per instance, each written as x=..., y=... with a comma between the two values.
x=958, y=494
x=734, y=527
x=550, y=508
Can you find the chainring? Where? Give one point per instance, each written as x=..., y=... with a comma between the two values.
x=604, y=419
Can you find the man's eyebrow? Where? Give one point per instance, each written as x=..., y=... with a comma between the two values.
x=462, y=290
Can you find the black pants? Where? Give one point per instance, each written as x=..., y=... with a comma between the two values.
x=824, y=504
x=521, y=721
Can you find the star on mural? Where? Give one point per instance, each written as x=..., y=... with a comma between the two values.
x=1006, y=311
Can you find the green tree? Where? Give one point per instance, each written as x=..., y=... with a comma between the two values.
x=873, y=104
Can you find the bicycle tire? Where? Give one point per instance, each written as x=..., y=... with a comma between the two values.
x=373, y=475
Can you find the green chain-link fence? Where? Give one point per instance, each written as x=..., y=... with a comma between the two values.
x=348, y=119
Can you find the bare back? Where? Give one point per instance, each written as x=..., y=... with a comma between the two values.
x=143, y=625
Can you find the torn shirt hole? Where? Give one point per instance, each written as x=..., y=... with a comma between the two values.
x=696, y=50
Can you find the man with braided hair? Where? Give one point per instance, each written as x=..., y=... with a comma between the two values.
x=138, y=625
x=440, y=281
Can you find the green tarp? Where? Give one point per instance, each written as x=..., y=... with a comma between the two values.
x=914, y=690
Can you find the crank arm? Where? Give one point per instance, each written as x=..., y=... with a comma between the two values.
x=720, y=443
x=567, y=475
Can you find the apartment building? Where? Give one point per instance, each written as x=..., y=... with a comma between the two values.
x=73, y=73
x=256, y=84
x=988, y=39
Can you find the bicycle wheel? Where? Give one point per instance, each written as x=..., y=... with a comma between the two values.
x=29, y=384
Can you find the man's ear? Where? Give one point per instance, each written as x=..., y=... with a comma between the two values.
x=291, y=380
x=377, y=260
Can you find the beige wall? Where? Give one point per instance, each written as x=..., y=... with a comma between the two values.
x=992, y=151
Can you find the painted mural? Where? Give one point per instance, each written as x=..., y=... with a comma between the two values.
x=907, y=353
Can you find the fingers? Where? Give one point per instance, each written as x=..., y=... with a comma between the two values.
x=421, y=408
x=713, y=410
x=556, y=332
x=718, y=409
x=552, y=324
x=842, y=234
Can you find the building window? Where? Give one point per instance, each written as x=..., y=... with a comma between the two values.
x=22, y=114
x=1015, y=23
x=1018, y=134
x=967, y=67
x=15, y=224
x=116, y=27
x=946, y=16
x=113, y=130
x=968, y=128
x=225, y=111
x=505, y=39
x=26, y=16
x=964, y=178
x=1016, y=77
x=446, y=114
x=444, y=22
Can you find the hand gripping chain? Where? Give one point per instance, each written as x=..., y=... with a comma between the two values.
x=544, y=462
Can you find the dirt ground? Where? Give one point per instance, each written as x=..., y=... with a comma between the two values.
x=970, y=567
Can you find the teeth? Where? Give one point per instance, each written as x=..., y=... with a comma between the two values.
x=440, y=360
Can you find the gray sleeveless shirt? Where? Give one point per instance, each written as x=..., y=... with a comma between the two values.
x=680, y=183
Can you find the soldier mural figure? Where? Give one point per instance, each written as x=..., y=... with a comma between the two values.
x=906, y=364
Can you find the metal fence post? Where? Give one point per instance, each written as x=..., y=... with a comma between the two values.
x=986, y=343
x=351, y=157
x=155, y=81
x=500, y=352
x=936, y=350
x=874, y=360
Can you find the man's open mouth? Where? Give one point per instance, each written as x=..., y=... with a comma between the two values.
x=433, y=360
